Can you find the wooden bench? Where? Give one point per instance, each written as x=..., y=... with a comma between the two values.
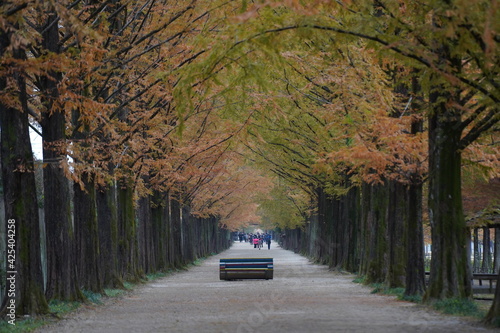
x=485, y=276
x=246, y=268
x=480, y=277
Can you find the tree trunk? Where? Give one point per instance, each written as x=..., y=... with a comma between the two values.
x=176, y=234
x=144, y=231
x=190, y=243
x=496, y=253
x=24, y=278
x=108, y=236
x=352, y=216
x=378, y=244
x=396, y=231
x=127, y=233
x=365, y=221
x=141, y=218
x=331, y=232
x=87, y=236
x=493, y=316
x=159, y=234
x=477, y=257
x=486, y=264
x=450, y=272
x=323, y=229
x=415, y=266
x=61, y=269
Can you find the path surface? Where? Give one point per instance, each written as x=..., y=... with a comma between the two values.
x=302, y=297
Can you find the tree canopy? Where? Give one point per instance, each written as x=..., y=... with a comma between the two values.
x=250, y=111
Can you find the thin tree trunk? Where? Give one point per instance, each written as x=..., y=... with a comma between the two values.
x=486, y=264
x=365, y=229
x=142, y=214
x=496, y=253
x=477, y=257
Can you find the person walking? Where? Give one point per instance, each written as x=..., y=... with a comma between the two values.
x=267, y=238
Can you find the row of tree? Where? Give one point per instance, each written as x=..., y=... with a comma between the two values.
x=130, y=184
x=362, y=108
x=354, y=107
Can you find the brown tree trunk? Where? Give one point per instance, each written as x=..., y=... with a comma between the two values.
x=24, y=280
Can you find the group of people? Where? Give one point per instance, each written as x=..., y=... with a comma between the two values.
x=257, y=240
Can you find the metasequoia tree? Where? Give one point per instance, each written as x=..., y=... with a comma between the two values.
x=454, y=46
x=457, y=56
x=21, y=208
x=106, y=67
x=133, y=80
x=51, y=99
x=387, y=149
x=326, y=114
x=46, y=22
x=232, y=194
x=148, y=154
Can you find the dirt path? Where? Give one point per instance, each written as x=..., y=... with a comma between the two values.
x=302, y=297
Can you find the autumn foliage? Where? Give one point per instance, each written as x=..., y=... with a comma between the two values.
x=229, y=115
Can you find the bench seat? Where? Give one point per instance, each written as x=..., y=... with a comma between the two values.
x=246, y=268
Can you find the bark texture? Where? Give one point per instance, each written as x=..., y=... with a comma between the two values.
x=450, y=273
x=23, y=253
x=61, y=269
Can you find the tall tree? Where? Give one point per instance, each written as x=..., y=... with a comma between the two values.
x=62, y=280
x=460, y=82
x=24, y=280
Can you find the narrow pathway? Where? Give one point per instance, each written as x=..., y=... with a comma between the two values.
x=302, y=297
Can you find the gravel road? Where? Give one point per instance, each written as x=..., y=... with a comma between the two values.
x=302, y=297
